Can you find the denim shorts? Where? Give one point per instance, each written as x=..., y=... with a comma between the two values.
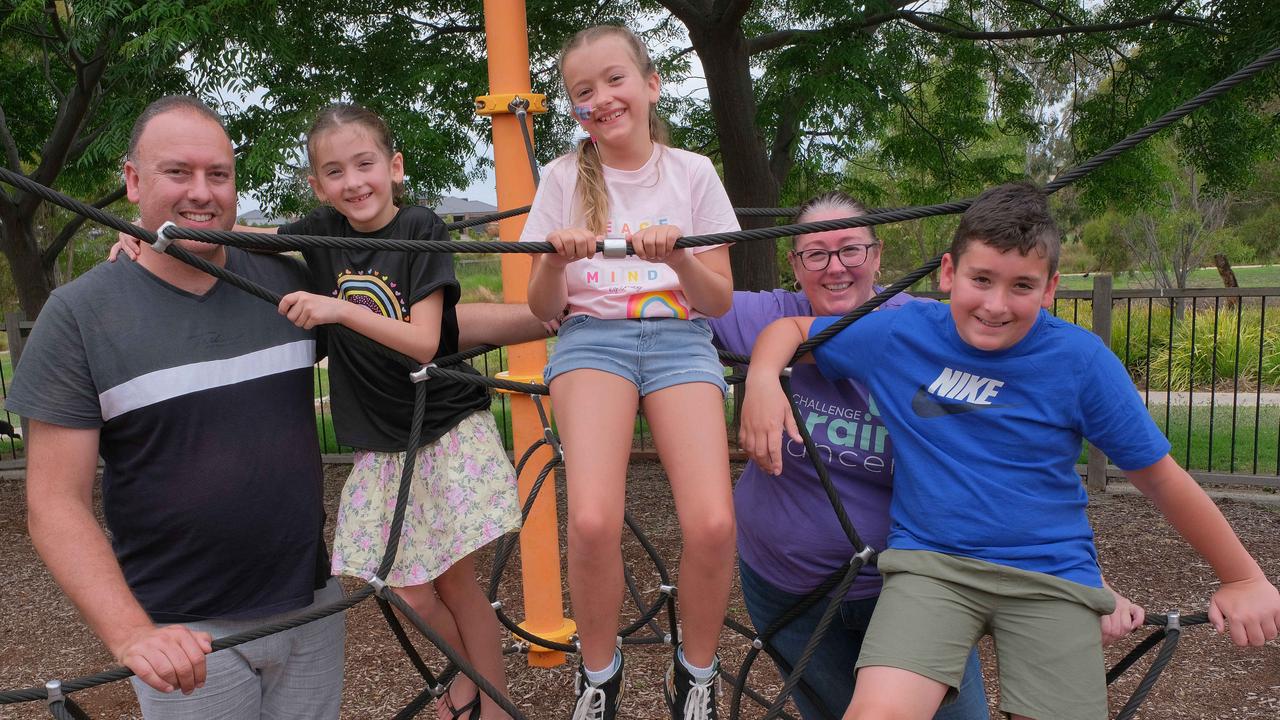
x=653, y=353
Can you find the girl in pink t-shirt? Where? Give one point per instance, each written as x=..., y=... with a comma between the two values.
x=635, y=336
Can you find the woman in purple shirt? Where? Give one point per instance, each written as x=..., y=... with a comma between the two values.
x=788, y=538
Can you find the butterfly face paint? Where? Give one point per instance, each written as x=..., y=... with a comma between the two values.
x=582, y=112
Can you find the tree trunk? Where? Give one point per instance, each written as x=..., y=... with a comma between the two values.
x=1228, y=275
x=747, y=176
x=31, y=278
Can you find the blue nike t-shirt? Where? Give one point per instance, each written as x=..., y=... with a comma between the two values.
x=987, y=442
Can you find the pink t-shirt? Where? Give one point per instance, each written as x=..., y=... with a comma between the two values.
x=674, y=187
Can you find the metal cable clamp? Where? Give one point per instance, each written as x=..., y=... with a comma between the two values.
x=420, y=374
x=53, y=691
x=615, y=246
x=1173, y=622
x=163, y=241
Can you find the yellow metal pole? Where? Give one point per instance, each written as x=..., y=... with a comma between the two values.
x=508, y=50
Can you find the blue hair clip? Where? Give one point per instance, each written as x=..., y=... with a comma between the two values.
x=582, y=112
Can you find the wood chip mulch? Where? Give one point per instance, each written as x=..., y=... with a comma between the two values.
x=41, y=636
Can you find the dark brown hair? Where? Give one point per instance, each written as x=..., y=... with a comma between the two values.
x=339, y=114
x=1013, y=216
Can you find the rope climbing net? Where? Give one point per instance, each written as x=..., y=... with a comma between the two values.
x=644, y=628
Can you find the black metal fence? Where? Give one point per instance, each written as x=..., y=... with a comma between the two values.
x=1207, y=365
x=1206, y=362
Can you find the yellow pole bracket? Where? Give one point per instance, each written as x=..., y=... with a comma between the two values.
x=504, y=103
x=527, y=379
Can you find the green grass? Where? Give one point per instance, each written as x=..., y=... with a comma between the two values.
x=1200, y=458
x=1264, y=276
x=1224, y=454
x=321, y=382
x=480, y=277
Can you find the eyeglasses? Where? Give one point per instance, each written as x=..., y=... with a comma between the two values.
x=851, y=256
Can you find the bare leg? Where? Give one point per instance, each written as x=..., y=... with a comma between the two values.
x=422, y=598
x=478, y=626
x=688, y=429
x=595, y=413
x=889, y=693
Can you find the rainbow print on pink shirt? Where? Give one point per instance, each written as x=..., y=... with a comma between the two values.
x=661, y=304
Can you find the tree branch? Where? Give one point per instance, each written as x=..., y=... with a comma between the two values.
x=52, y=12
x=84, y=142
x=48, y=75
x=685, y=11
x=1051, y=12
x=779, y=39
x=437, y=28
x=67, y=124
x=49, y=255
x=951, y=31
x=11, y=156
x=728, y=12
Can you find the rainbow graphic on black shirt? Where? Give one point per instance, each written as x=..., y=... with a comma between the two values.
x=373, y=291
x=661, y=304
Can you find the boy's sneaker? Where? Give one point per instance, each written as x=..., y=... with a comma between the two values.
x=597, y=702
x=688, y=698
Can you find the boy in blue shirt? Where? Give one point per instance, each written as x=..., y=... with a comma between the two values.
x=987, y=399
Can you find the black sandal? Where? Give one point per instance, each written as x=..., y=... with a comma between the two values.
x=469, y=711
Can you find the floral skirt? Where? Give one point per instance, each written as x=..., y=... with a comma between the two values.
x=462, y=496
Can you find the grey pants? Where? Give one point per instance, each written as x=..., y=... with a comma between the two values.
x=293, y=674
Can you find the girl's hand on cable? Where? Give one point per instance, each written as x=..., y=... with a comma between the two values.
x=571, y=244
x=656, y=243
x=127, y=244
x=307, y=310
x=1249, y=608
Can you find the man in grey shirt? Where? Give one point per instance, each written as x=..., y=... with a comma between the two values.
x=198, y=398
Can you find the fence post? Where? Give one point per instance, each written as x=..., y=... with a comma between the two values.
x=1096, y=475
x=13, y=328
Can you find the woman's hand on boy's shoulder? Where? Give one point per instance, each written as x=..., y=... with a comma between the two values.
x=1249, y=609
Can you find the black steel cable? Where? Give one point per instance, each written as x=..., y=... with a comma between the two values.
x=108, y=220
x=486, y=219
x=1148, y=681
x=806, y=655
x=454, y=657
x=521, y=109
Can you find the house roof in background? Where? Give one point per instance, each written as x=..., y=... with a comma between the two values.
x=450, y=205
x=255, y=217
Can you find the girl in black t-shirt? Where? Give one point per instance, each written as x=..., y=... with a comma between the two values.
x=464, y=491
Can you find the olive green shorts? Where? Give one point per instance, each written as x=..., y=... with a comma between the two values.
x=935, y=607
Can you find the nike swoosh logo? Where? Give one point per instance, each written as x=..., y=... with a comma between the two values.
x=925, y=405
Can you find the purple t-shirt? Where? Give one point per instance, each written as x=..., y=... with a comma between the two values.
x=787, y=529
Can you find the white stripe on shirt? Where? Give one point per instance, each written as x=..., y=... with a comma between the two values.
x=166, y=384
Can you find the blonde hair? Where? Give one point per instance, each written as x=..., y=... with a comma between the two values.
x=338, y=114
x=592, y=193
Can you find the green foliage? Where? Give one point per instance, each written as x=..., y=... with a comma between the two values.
x=1213, y=356
x=1102, y=237
x=1170, y=64
x=1155, y=342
